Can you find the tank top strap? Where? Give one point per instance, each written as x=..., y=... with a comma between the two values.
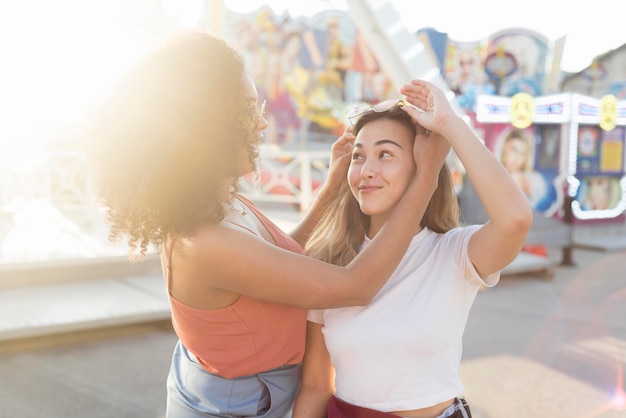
x=169, y=263
x=240, y=226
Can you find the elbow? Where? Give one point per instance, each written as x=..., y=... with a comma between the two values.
x=520, y=221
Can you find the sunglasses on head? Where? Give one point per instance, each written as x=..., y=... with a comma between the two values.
x=378, y=107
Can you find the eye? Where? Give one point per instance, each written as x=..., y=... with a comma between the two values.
x=357, y=156
x=384, y=154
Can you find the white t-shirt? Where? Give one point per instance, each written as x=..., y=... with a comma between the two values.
x=403, y=350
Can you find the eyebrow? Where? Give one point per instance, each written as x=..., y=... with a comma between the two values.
x=380, y=142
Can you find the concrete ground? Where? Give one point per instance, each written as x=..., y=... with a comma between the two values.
x=535, y=346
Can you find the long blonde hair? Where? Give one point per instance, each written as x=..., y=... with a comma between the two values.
x=341, y=230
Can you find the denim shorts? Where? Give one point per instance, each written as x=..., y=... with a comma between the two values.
x=193, y=392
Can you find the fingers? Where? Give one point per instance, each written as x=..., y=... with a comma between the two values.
x=412, y=101
x=347, y=136
x=344, y=144
x=416, y=88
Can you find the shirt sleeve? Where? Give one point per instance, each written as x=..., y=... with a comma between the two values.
x=316, y=315
x=458, y=241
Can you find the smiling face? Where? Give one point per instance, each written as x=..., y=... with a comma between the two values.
x=381, y=168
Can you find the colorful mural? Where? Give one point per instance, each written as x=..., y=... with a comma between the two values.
x=465, y=73
x=508, y=62
x=525, y=73
x=309, y=71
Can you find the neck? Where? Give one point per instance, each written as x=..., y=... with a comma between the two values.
x=377, y=222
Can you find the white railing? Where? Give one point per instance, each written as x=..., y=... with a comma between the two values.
x=287, y=176
x=61, y=177
x=50, y=193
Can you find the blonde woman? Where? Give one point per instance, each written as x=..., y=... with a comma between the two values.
x=400, y=355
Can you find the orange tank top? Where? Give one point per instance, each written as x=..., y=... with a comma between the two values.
x=247, y=337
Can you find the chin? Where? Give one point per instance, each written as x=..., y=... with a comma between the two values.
x=367, y=211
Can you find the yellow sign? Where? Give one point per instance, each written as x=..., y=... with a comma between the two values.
x=608, y=112
x=522, y=110
x=611, y=155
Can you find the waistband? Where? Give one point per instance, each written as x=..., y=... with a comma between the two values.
x=341, y=409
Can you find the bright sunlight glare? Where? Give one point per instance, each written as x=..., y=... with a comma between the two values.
x=58, y=57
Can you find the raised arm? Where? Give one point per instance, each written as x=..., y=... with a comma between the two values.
x=499, y=241
x=341, y=151
x=236, y=261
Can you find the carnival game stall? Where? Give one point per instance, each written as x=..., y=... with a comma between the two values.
x=566, y=152
x=596, y=169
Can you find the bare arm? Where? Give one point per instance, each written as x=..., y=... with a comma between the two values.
x=341, y=153
x=318, y=376
x=236, y=261
x=499, y=241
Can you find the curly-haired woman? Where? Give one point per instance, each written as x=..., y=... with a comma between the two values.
x=170, y=144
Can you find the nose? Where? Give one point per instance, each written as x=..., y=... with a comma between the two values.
x=262, y=123
x=368, y=169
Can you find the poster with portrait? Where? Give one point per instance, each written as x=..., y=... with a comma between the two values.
x=521, y=152
x=599, y=169
x=465, y=73
x=599, y=193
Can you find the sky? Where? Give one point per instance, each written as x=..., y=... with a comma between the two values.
x=591, y=29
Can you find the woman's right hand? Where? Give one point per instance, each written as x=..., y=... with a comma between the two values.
x=340, y=156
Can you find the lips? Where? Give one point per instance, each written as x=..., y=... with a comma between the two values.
x=368, y=188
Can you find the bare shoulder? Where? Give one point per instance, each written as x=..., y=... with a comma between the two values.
x=235, y=252
x=202, y=263
x=216, y=241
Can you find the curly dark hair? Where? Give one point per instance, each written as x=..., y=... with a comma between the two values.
x=167, y=142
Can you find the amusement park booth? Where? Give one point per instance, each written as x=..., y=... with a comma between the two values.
x=566, y=152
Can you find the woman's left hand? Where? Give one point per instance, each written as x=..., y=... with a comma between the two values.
x=434, y=109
